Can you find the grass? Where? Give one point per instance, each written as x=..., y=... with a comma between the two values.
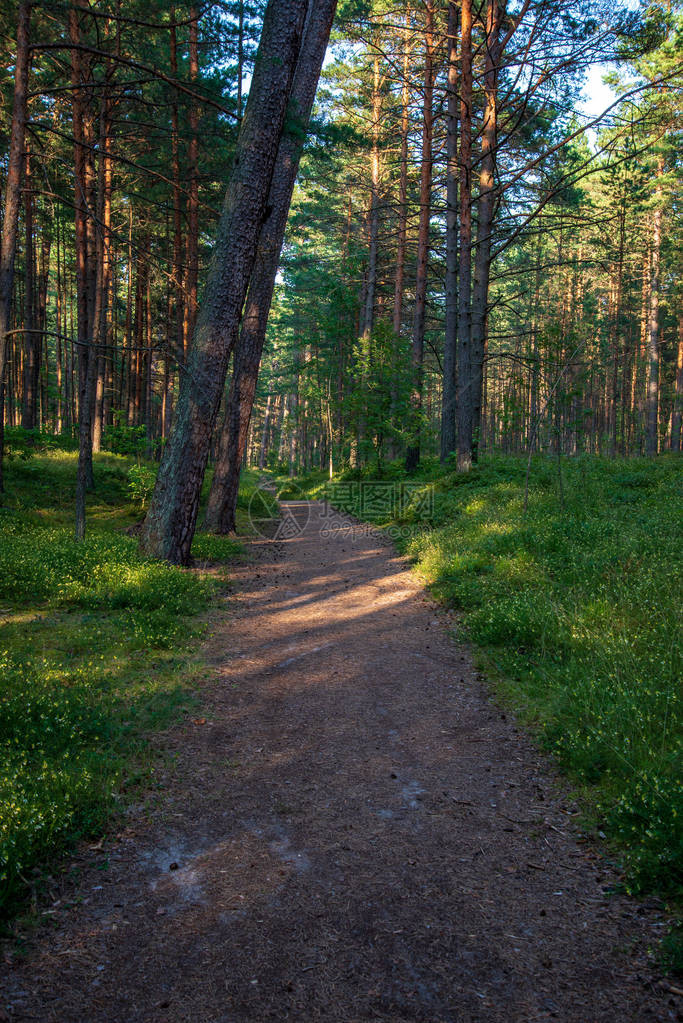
x=97, y=650
x=577, y=611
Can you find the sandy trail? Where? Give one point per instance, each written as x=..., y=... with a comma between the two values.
x=354, y=832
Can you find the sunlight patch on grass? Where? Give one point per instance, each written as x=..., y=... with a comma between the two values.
x=96, y=651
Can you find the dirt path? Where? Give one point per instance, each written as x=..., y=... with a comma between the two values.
x=355, y=832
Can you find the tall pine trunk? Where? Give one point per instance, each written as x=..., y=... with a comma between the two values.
x=103, y=260
x=220, y=513
x=171, y=520
x=464, y=409
x=263, y=450
x=192, y=250
x=31, y=335
x=403, y=184
x=368, y=313
x=413, y=451
x=485, y=212
x=366, y=318
x=92, y=233
x=402, y=224
x=448, y=431
x=59, y=340
x=43, y=368
x=652, y=413
x=616, y=339
x=177, y=210
x=677, y=413
x=10, y=222
x=82, y=198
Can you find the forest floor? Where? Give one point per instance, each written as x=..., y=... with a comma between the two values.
x=352, y=830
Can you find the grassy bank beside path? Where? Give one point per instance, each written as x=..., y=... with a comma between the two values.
x=98, y=649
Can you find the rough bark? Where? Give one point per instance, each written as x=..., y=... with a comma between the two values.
x=10, y=221
x=222, y=505
x=413, y=451
x=464, y=368
x=170, y=524
x=448, y=431
x=220, y=513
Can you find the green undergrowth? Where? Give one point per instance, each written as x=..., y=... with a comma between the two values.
x=97, y=650
x=311, y=485
x=577, y=610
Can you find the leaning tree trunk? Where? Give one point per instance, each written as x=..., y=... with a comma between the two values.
x=413, y=451
x=171, y=520
x=485, y=208
x=220, y=512
x=448, y=433
x=10, y=220
x=222, y=506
